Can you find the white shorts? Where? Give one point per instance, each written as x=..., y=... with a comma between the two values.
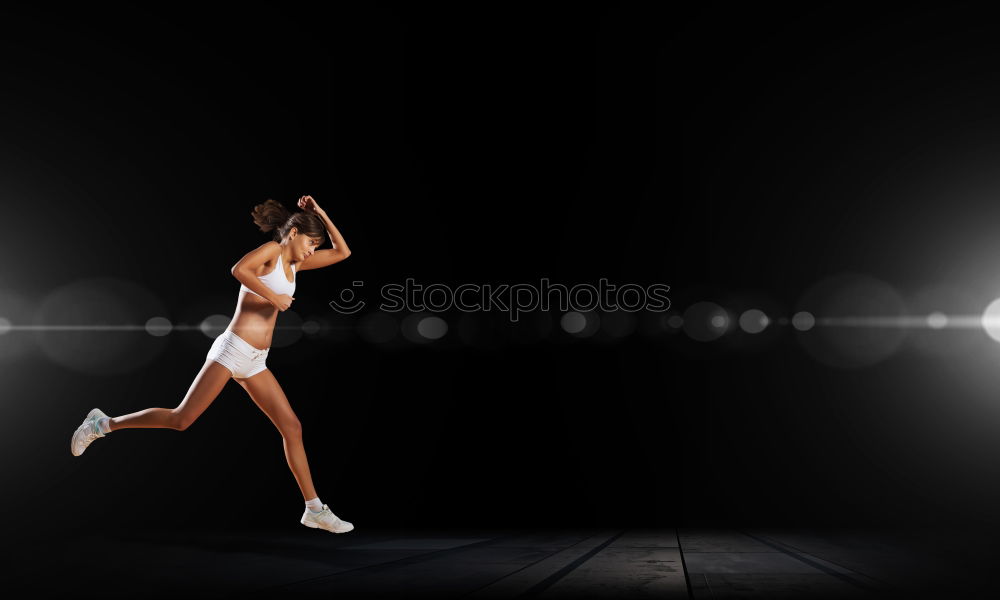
x=237, y=355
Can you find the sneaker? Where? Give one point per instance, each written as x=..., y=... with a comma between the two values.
x=87, y=432
x=325, y=519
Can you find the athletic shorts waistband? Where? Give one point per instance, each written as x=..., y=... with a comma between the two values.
x=242, y=343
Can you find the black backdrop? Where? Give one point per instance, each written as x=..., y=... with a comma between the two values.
x=715, y=151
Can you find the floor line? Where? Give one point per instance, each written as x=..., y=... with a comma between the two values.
x=680, y=550
x=816, y=565
x=507, y=576
x=544, y=584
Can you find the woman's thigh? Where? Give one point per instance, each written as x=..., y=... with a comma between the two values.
x=203, y=391
x=267, y=394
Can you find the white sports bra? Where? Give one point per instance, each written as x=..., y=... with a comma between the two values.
x=276, y=280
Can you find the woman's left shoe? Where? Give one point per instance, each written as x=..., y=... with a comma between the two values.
x=325, y=519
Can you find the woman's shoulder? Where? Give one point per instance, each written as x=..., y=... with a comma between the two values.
x=265, y=254
x=271, y=249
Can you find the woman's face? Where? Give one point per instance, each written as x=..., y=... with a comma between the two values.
x=303, y=246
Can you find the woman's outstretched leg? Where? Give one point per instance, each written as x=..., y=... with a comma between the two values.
x=203, y=391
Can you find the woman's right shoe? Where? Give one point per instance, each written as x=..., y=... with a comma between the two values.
x=87, y=432
x=325, y=519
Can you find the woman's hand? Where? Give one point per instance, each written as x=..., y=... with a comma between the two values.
x=309, y=205
x=283, y=302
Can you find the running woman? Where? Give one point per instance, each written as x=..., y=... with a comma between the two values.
x=267, y=276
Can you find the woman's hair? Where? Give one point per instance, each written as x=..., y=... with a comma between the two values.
x=273, y=216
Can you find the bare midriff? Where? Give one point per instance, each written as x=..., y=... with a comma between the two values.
x=254, y=320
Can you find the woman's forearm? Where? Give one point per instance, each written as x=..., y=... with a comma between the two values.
x=335, y=238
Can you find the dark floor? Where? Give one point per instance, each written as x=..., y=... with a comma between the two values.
x=661, y=563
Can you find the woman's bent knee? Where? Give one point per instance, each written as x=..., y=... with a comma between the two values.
x=179, y=422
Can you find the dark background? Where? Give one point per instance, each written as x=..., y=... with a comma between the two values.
x=720, y=151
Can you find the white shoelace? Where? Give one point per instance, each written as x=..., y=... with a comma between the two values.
x=93, y=433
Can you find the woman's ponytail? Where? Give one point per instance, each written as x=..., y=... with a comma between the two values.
x=270, y=216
